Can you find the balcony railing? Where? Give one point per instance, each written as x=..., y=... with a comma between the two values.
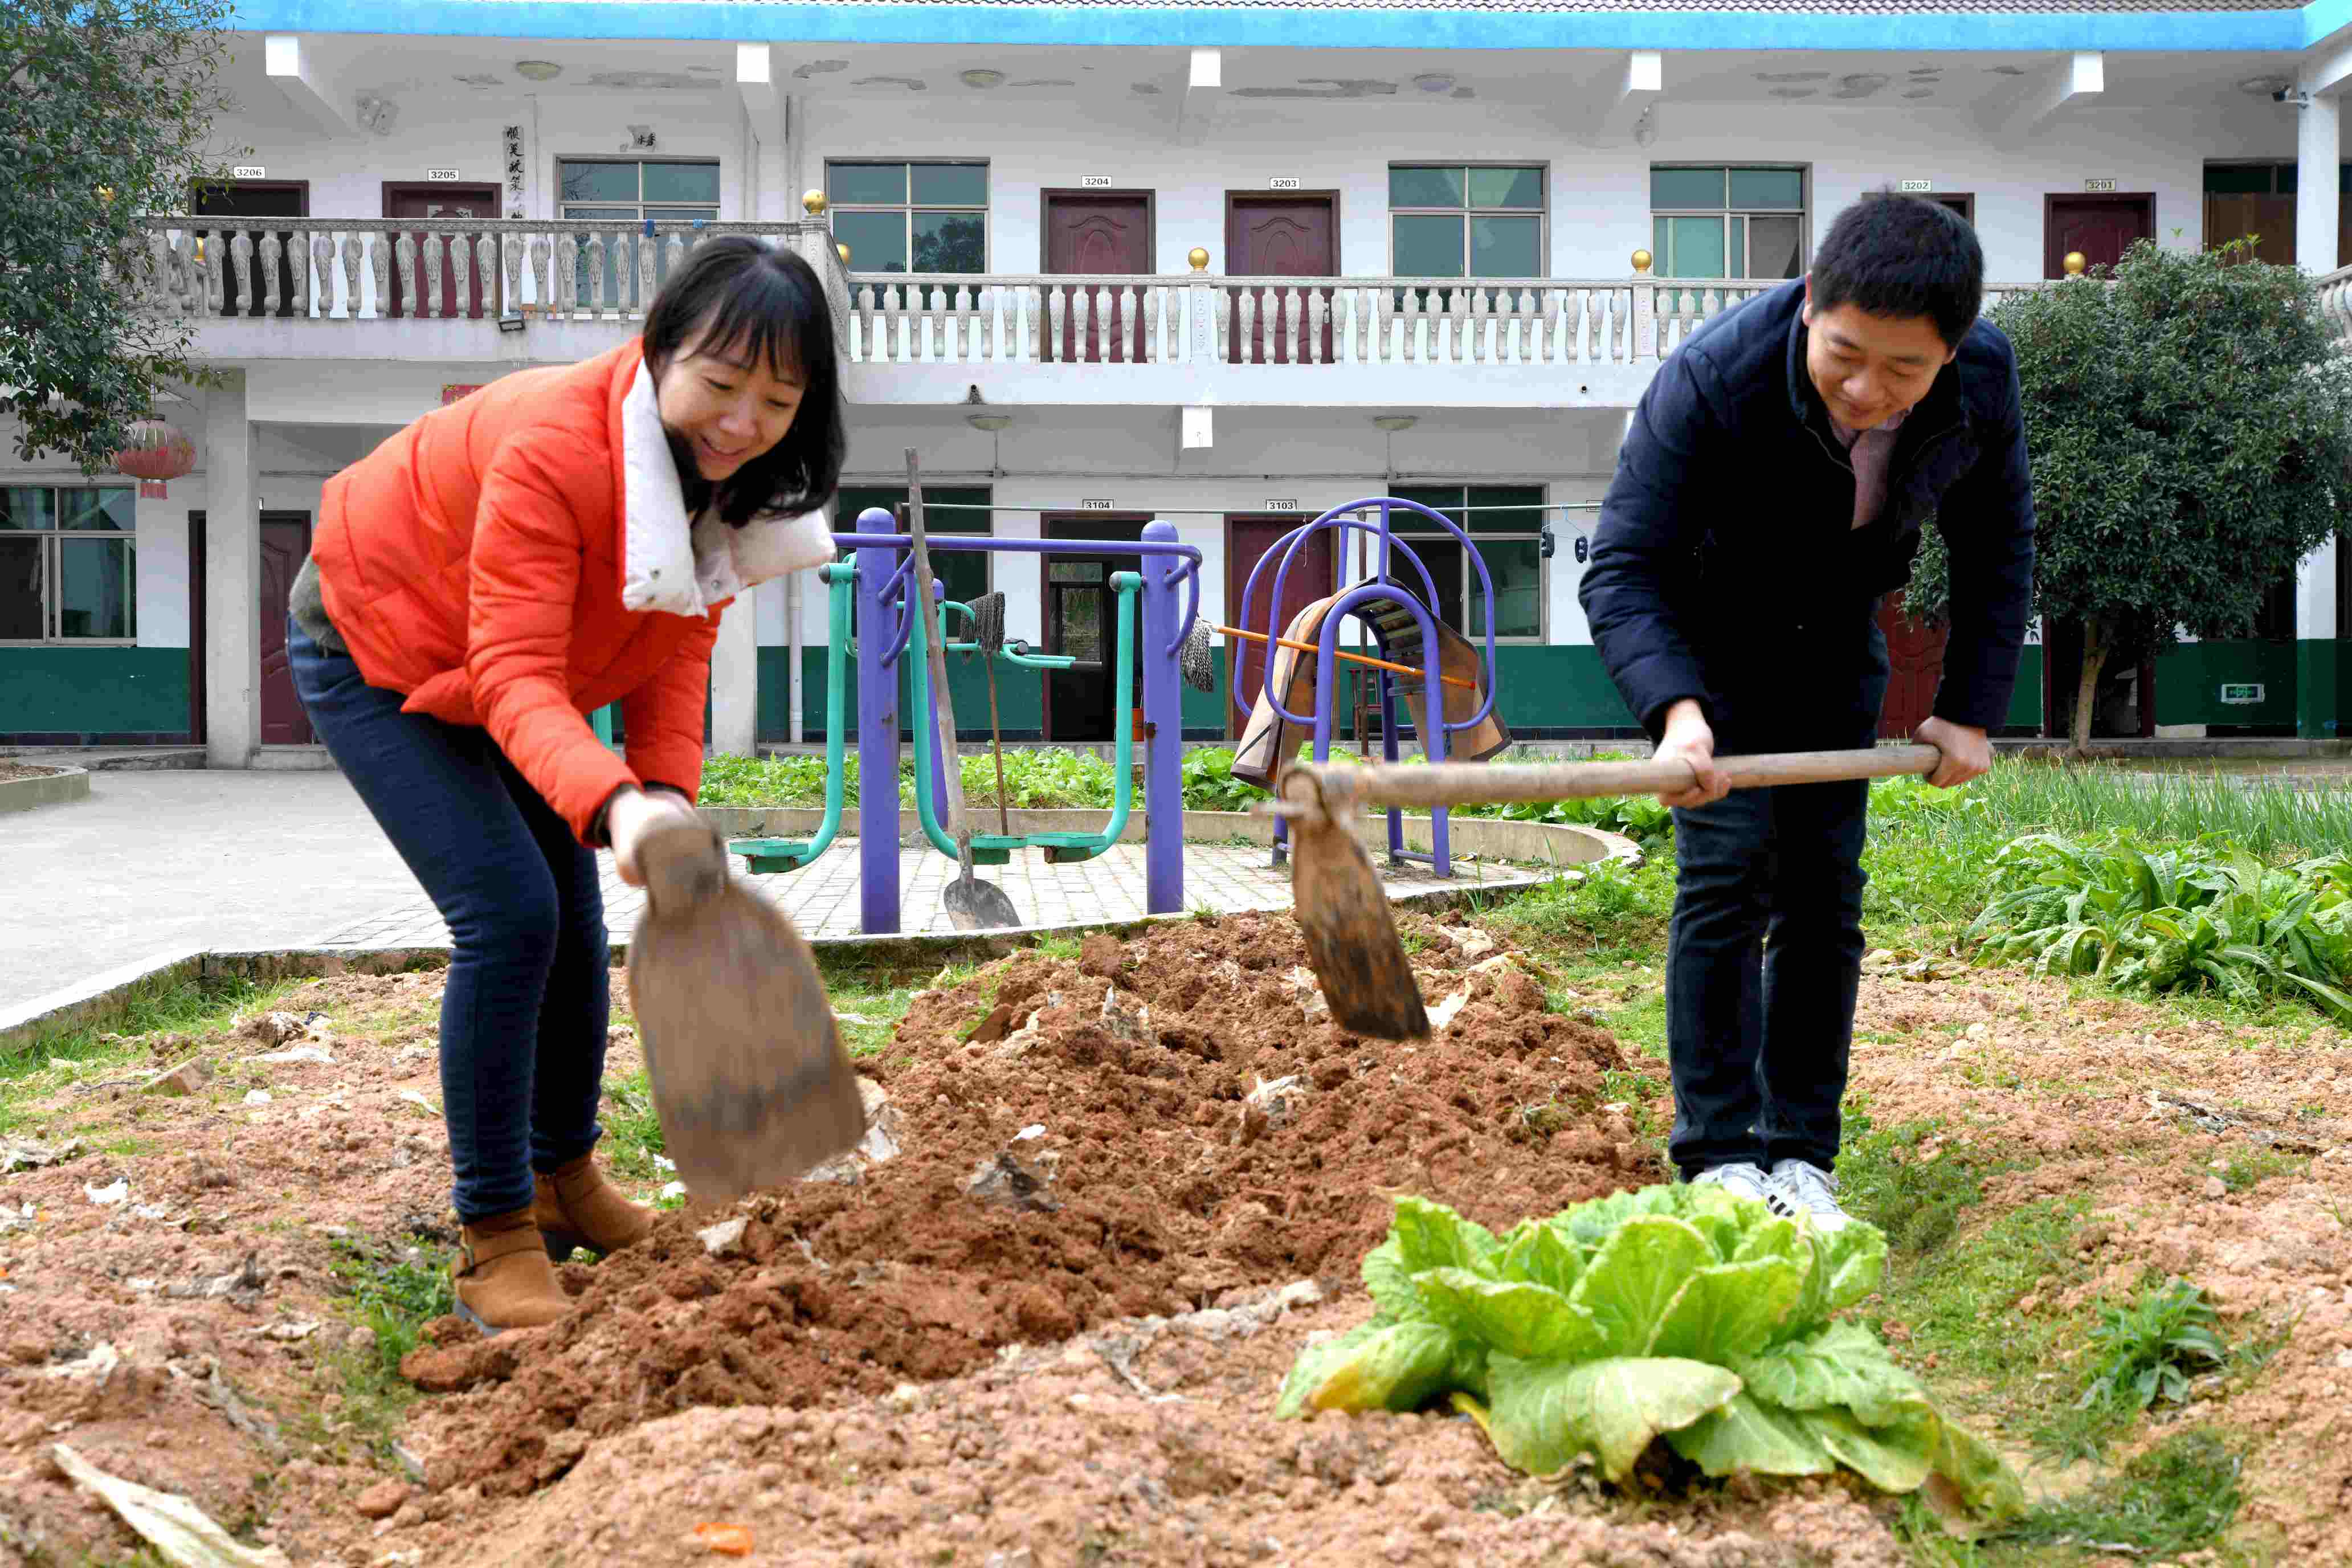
x=356, y=269
x=348, y=270
x=959, y=318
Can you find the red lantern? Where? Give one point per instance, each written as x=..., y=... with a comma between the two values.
x=155, y=453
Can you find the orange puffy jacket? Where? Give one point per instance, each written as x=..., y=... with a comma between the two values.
x=523, y=557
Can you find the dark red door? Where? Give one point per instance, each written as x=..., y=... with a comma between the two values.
x=1280, y=237
x=2268, y=218
x=1915, y=658
x=285, y=545
x=1099, y=233
x=1247, y=539
x=443, y=201
x=2100, y=228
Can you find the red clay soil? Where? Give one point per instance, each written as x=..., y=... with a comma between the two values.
x=1129, y=1169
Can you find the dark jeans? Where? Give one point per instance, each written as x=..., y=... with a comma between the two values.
x=1764, y=953
x=524, y=1013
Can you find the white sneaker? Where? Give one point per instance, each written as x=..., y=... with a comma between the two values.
x=1742, y=1180
x=1802, y=1191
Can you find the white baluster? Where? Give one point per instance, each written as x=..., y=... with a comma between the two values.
x=461, y=280
x=433, y=252
x=1293, y=306
x=674, y=255
x=511, y=247
x=1032, y=306
x=1057, y=308
x=241, y=251
x=645, y=254
x=487, y=268
x=596, y=254
x=565, y=274
x=1408, y=309
x=1126, y=305
x=1318, y=319
x=274, y=296
x=542, y=253
x=1226, y=351
x=968, y=316
x=1248, y=336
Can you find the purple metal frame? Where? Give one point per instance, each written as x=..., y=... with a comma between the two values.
x=1339, y=518
x=884, y=572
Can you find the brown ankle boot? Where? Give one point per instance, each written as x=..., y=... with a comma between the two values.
x=504, y=1280
x=576, y=1206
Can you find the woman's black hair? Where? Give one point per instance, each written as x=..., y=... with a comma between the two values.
x=1895, y=255
x=735, y=296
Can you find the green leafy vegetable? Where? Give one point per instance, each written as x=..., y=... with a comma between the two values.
x=1673, y=1312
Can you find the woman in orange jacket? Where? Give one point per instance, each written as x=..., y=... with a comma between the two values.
x=479, y=583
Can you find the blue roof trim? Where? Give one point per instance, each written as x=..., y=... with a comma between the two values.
x=2322, y=19
x=1240, y=27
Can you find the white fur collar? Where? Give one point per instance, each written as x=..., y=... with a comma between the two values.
x=681, y=567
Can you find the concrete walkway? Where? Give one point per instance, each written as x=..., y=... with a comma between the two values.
x=154, y=862
x=157, y=864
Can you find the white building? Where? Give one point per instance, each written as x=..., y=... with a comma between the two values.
x=1093, y=198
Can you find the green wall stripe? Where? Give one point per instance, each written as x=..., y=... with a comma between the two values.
x=93, y=690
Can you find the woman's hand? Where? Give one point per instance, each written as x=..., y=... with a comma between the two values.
x=635, y=813
x=1689, y=739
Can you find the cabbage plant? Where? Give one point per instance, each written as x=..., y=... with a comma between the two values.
x=1676, y=1313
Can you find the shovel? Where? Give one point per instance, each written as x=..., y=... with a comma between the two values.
x=749, y=1077
x=1351, y=937
x=970, y=903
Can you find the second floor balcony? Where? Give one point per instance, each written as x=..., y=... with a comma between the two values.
x=496, y=291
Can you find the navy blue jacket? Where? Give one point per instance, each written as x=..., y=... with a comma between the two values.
x=1726, y=567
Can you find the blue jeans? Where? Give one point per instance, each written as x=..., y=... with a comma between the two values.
x=528, y=1001
x=1764, y=951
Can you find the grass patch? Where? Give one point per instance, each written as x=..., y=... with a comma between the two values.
x=1609, y=915
x=2254, y=1165
x=1889, y=1176
x=394, y=1288
x=2177, y=1497
x=203, y=1009
x=633, y=1132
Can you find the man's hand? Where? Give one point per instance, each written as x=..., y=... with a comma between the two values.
x=632, y=815
x=1967, y=754
x=1688, y=739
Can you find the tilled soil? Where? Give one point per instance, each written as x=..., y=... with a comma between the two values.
x=1075, y=1364
x=1104, y=1109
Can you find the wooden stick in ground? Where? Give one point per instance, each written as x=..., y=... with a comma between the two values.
x=1351, y=658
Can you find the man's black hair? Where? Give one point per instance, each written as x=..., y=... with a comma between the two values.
x=1893, y=255
x=737, y=297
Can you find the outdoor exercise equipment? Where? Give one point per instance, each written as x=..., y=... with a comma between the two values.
x=1157, y=606
x=1351, y=937
x=764, y=855
x=970, y=903
x=1406, y=629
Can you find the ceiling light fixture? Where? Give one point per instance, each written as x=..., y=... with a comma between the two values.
x=989, y=422
x=983, y=78
x=1435, y=82
x=537, y=70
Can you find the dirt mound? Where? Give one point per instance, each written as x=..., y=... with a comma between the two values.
x=1144, y=1131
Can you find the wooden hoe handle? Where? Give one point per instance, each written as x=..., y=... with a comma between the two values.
x=1345, y=785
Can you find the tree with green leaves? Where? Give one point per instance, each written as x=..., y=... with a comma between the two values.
x=2190, y=421
x=107, y=117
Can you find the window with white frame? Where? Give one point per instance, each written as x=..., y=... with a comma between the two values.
x=1718, y=220
x=904, y=216
x=1505, y=524
x=1473, y=220
x=68, y=564
x=631, y=190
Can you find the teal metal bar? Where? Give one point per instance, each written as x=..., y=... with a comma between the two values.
x=791, y=854
x=1061, y=848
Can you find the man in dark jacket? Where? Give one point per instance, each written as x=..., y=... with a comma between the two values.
x=1772, y=488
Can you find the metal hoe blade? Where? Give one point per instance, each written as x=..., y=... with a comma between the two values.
x=749, y=1077
x=1351, y=935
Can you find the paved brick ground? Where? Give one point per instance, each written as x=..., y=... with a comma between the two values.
x=822, y=899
